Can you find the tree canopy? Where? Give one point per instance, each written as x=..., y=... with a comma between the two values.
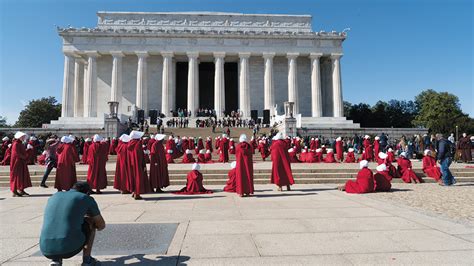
x=3, y=121
x=39, y=112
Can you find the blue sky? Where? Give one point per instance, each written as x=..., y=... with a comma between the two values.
x=396, y=48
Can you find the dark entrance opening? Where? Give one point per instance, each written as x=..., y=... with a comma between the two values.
x=206, y=85
x=231, y=87
x=181, y=85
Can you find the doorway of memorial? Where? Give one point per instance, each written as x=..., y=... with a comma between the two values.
x=181, y=85
x=231, y=81
x=206, y=85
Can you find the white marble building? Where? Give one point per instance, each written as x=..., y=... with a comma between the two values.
x=223, y=61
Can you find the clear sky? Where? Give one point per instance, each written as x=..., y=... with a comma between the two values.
x=396, y=48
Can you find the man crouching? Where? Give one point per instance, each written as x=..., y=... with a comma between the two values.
x=70, y=221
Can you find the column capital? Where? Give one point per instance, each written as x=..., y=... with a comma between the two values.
x=71, y=54
x=219, y=54
x=292, y=55
x=244, y=55
x=80, y=60
x=315, y=55
x=167, y=54
x=142, y=54
x=193, y=55
x=268, y=55
x=117, y=53
x=336, y=56
x=92, y=53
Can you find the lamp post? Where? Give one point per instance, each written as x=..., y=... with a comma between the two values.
x=457, y=133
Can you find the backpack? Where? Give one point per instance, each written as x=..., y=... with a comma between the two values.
x=451, y=149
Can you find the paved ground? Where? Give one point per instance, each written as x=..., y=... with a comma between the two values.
x=313, y=224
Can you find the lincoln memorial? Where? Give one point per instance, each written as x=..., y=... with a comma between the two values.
x=190, y=60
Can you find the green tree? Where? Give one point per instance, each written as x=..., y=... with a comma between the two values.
x=3, y=121
x=440, y=112
x=39, y=112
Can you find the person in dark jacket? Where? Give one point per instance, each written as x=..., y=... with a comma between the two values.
x=445, y=158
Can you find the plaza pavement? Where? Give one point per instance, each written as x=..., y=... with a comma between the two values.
x=312, y=224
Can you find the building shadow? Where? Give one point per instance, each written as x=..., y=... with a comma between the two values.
x=314, y=189
x=180, y=197
x=139, y=259
x=283, y=194
x=400, y=189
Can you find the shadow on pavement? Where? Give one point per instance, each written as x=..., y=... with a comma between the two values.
x=283, y=194
x=139, y=259
x=400, y=189
x=181, y=197
x=314, y=189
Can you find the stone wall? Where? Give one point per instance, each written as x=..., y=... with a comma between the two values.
x=392, y=133
x=78, y=132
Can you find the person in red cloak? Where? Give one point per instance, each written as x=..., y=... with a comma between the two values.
x=304, y=155
x=209, y=144
x=405, y=170
x=382, y=179
x=323, y=150
x=319, y=155
x=314, y=144
x=150, y=142
x=218, y=140
x=170, y=146
x=146, y=151
x=208, y=156
x=159, y=176
x=97, y=159
x=288, y=142
x=390, y=155
x=368, y=153
x=188, y=157
x=254, y=144
x=31, y=151
x=200, y=145
x=230, y=185
x=4, y=147
x=263, y=149
x=42, y=158
x=8, y=155
x=184, y=144
x=364, y=182
x=191, y=143
x=382, y=158
x=113, y=146
x=350, y=157
x=231, y=146
x=311, y=157
x=293, y=156
x=339, y=150
x=224, y=149
x=297, y=145
x=169, y=156
x=376, y=146
x=85, y=150
x=244, y=167
x=201, y=158
x=137, y=166
x=281, y=167
x=194, y=182
x=19, y=174
x=430, y=168
x=121, y=179
x=66, y=166
x=330, y=157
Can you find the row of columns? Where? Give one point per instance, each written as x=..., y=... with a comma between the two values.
x=86, y=99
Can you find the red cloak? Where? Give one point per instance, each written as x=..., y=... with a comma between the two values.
x=113, y=147
x=121, y=180
x=201, y=158
x=224, y=150
x=7, y=157
x=339, y=151
x=169, y=158
x=263, y=148
x=293, y=157
x=405, y=170
x=188, y=158
x=430, y=168
x=390, y=156
x=97, y=158
x=19, y=174
x=159, y=176
x=31, y=153
x=194, y=184
x=281, y=167
x=364, y=182
x=376, y=148
x=200, y=146
x=230, y=185
x=231, y=147
x=137, y=167
x=244, y=169
x=66, y=167
x=85, y=152
x=350, y=157
x=311, y=157
x=304, y=156
x=368, y=153
x=330, y=158
x=382, y=181
x=208, y=157
x=209, y=145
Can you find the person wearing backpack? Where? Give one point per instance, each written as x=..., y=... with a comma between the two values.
x=445, y=153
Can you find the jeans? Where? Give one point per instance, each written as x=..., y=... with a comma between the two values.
x=49, y=168
x=448, y=178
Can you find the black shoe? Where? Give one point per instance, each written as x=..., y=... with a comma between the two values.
x=43, y=185
x=92, y=261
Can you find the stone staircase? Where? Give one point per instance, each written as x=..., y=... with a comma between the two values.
x=205, y=132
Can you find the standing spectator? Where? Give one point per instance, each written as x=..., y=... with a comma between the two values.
x=451, y=138
x=383, y=142
x=51, y=159
x=445, y=157
x=464, y=145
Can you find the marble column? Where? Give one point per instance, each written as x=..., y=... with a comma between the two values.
x=78, y=87
x=90, y=88
x=166, y=82
x=244, y=84
x=219, y=84
x=116, y=86
x=67, y=105
x=193, y=82
x=293, y=81
x=269, y=88
x=336, y=86
x=142, y=85
x=316, y=94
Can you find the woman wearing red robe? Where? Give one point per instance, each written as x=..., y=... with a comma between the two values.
x=293, y=156
x=330, y=157
x=383, y=158
x=85, y=150
x=19, y=174
x=169, y=156
x=244, y=167
x=159, y=176
x=121, y=179
x=113, y=146
x=200, y=145
x=97, y=159
x=376, y=146
x=4, y=147
x=194, y=182
x=281, y=167
x=350, y=157
x=311, y=157
x=201, y=158
x=364, y=182
x=66, y=165
x=405, y=170
x=218, y=139
x=231, y=146
x=254, y=144
x=191, y=143
x=137, y=166
x=430, y=168
x=230, y=185
x=368, y=153
x=8, y=155
x=188, y=157
x=304, y=155
x=390, y=155
x=339, y=149
x=382, y=179
x=319, y=155
x=209, y=144
x=263, y=148
x=224, y=149
x=31, y=151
